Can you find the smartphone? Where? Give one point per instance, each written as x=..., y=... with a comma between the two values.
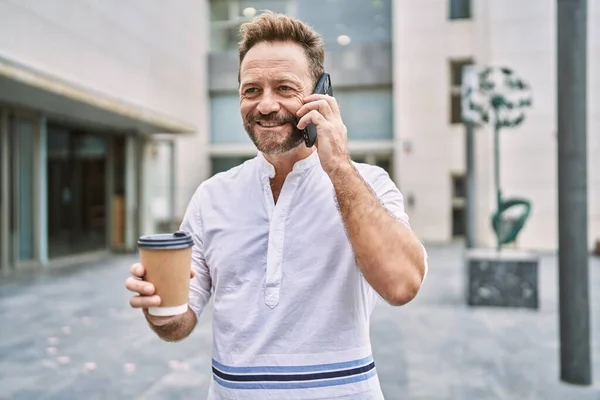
x=323, y=86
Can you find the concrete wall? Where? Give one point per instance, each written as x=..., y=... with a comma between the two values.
x=514, y=33
x=192, y=164
x=143, y=51
x=147, y=52
x=424, y=42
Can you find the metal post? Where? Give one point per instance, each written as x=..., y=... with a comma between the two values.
x=497, y=173
x=470, y=81
x=470, y=180
x=575, y=352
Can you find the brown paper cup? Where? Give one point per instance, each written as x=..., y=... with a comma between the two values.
x=167, y=259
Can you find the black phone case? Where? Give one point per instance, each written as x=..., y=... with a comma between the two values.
x=323, y=86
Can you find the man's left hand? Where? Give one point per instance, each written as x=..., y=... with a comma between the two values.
x=332, y=135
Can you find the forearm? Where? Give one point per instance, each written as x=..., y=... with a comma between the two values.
x=387, y=252
x=177, y=328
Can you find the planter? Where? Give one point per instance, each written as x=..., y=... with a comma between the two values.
x=506, y=278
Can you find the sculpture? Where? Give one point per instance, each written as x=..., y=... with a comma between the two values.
x=501, y=97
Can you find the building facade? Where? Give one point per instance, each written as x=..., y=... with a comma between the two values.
x=111, y=115
x=103, y=121
x=432, y=40
x=396, y=70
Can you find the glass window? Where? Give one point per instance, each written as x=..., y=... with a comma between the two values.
x=77, y=211
x=226, y=121
x=384, y=161
x=24, y=135
x=456, y=109
x=228, y=15
x=460, y=9
x=456, y=68
x=225, y=163
x=367, y=113
x=458, y=222
x=159, y=186
x=459, y=186
x=224, y=38
x=340, y=22
x=250, y=8
x=345, y=22
x=219, y=11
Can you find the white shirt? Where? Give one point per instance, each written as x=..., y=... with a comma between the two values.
x=291, y=307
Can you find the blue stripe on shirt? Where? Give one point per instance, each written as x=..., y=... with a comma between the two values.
x=292, y=369
x=313, y=376
x=295, y=385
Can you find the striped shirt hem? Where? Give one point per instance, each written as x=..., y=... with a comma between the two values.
x=294, y=377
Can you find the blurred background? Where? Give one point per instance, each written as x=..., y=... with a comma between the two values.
x=112, y=112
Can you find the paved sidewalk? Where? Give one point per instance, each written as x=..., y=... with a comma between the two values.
x=73, y=336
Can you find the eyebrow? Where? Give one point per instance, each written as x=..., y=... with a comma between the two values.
x=285, y=79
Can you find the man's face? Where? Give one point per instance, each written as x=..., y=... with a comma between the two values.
x=274, y=78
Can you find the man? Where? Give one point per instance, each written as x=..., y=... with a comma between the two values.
x=295, y=245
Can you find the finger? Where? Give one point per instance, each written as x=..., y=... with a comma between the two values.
x=138, y=286
x=333, y=104
x=311, y=117
x=144, y=301
x=192, y=273
x=137, y=270
x=320, y=105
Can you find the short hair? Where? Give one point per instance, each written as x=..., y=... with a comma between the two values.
x=272, y=27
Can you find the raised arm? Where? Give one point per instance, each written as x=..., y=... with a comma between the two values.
x=390, y=256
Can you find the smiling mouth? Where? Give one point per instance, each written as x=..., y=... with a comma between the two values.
x=270, y=124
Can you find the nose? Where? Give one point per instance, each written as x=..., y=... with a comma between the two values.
x=269, y=103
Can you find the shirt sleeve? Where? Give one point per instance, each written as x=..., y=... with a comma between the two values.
x=201, y=284
x=390, y=197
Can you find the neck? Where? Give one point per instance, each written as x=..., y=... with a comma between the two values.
x=284, y=162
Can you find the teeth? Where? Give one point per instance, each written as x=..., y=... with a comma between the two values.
x=270, y=124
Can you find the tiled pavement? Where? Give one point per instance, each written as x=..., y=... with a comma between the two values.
x=72, y=335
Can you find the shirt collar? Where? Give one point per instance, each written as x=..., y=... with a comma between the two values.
x=268, y=169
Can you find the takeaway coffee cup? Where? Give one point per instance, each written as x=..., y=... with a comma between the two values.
x=167, y=258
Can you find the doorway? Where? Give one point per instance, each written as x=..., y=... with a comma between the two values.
x=19, y=244
x=77, y=209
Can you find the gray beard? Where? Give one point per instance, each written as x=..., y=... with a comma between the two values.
x=293, y=139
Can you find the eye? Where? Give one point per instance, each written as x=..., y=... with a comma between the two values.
x=285, y=88
x=251, y=91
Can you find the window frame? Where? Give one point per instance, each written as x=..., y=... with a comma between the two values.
x=460, y=17
x=235, y=19
x=456, y=89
